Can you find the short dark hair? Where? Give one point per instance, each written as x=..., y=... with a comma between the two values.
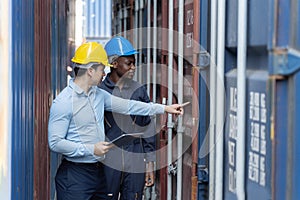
x=79, y=71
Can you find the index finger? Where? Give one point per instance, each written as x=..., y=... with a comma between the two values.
x=185, y=104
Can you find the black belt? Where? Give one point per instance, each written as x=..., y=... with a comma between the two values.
x=96, y=164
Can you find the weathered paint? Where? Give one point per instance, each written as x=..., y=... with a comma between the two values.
x=42, y=78
x=22, y=79
x=284, y=37
x=195, y=98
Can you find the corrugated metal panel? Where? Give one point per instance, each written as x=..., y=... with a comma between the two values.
x=280, y=90
x=258, y=138
x=5, y=103
x=282, y=23
x=42, y=79
x=295, y=28
x=259, y=146
x=189, y=19
x=286, y=137
x=22, y=78
x=284, y=37
x=98, y=18
x=203, y=105
x=295, y=114
x=61, y=51
x=163, y=46
x=230, y=138
x=284, y=60
x=273, y=48
x=257, y=32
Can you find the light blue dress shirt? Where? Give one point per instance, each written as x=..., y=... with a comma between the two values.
x=76, y=120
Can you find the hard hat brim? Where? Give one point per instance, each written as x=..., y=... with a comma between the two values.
x=133, y=52
x=86, y=66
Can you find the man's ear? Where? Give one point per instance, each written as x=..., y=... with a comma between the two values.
x=89, y=71
x=115, y=64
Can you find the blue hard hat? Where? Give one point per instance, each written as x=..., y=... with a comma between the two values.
x=119, y=46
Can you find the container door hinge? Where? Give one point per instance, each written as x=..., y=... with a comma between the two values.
x=172, y=169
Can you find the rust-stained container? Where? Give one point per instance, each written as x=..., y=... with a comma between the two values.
x=42, y=84
x=190, y=85
x=190, y=93
x=273, y=47
x=39, y=47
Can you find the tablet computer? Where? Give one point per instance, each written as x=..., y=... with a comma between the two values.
x=125, y=139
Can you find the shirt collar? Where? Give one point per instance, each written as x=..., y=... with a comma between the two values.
x=109, y=83
x=77, y=89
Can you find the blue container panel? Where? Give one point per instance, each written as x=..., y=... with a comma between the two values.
x=280, y=140
x=231, y=23
x=98, y=18
x=22, y=98
x=284, y=35
x=294, y=137
x=230, y=137
x=286, y=28
x=296, y=128
x=259, y=146
x=258, y=11
x=283, y=24
x=258, y=142
x=295, y=28
x=203, y=108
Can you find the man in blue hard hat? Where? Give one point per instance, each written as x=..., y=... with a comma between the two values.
x=76, y=125
x=127, y=173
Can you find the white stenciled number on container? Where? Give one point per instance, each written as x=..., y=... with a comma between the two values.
x=232, y=140
x=258, y=145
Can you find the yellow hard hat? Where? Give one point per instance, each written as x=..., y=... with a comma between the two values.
x=90, y=52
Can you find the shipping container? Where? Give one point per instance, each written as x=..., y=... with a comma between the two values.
x=21, y=79
x=97, y=20
x=247, y=131
x=34, y=51
x=237, y=62
x=154, y=55
x=5, y=101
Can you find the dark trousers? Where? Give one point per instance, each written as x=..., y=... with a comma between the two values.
x=125, y=172
x=80, y=181
x=129, y=185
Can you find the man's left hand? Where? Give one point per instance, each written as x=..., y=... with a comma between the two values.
x=149, y=179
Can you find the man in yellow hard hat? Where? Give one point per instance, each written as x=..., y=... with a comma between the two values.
x=76, y=128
